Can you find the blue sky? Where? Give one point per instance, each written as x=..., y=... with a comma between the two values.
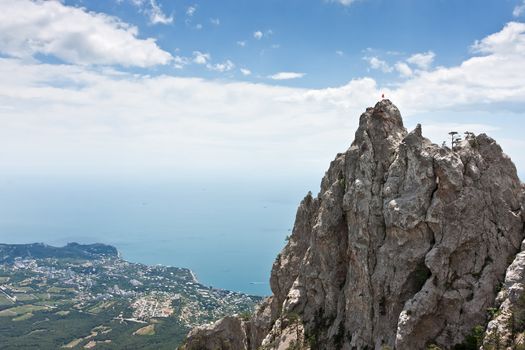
x=324, y=40
x=148, y=87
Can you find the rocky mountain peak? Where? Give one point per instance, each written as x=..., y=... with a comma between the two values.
x=404, y=247
x=382, y=121
x=381, y=128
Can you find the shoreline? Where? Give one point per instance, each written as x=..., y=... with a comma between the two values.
x=119, y=255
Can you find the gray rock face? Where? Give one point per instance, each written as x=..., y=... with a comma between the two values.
x=227, y=333
x=405, y=245
x=507, y=328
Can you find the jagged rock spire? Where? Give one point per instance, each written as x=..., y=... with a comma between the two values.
x=403, y=247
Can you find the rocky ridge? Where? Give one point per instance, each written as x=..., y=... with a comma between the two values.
x=406, y=246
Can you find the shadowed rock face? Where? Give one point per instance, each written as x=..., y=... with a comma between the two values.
x=405, y=246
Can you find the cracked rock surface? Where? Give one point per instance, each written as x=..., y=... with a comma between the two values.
x=405, y=245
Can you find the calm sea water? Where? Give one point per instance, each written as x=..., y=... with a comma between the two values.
x=228, y=233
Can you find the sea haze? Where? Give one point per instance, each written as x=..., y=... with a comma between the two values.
x=227, y=232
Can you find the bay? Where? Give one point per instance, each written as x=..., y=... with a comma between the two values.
x=228, y=232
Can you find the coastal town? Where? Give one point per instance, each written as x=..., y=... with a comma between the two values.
x=49, y=286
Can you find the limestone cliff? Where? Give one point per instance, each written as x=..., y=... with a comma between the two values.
x=405, y=247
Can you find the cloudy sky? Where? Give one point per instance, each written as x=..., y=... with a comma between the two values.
x=268, y=88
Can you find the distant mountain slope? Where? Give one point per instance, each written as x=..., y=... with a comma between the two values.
x=8, y=252
x=405, y=247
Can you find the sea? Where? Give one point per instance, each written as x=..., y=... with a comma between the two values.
x=228, y=232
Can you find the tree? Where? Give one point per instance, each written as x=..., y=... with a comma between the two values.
x=455, y=140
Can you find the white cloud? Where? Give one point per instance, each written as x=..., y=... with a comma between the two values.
x=85, y=119
x=179, y=62
x=403, y=69
x=286, y=75
x=215, y=21
x=137, y=3
x=494, y=77
x=519, y=9
x=80, y=119
x=339, y=53
x=241, y=43
x=152, y=9
x=422, y=60
x=376, y=63
x=190, y=11
x=198, y=26
x=221, y=67
x=157, y=16
x=258, y=35
x=73, y=35
x=508, y=42
x=394, y=53
x=344, y=2
x=245, y=71
x=204, y=58
x=201, y=57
